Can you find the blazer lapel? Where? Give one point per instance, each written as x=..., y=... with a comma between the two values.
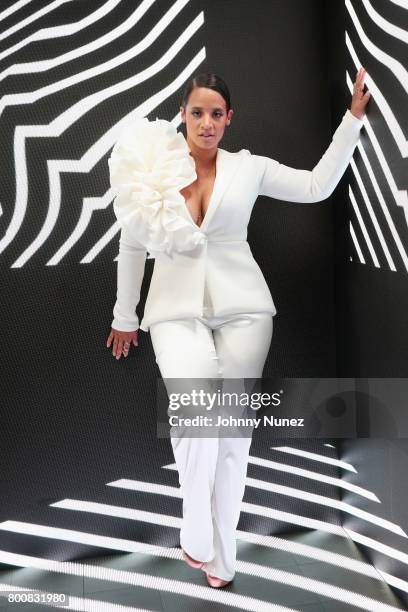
x=226, y=166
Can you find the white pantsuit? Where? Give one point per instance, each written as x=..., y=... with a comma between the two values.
x=209, y=309
x=216, y=256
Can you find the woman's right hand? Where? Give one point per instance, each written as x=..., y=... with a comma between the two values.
x=122, y=341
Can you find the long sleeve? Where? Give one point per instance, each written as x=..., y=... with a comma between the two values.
x=130, y=271
x=294, y=185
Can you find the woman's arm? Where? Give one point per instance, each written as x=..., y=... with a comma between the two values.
x=131, y=259
x=130, y=271
x=293, y=185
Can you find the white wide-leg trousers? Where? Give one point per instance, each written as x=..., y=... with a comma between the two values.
x=212, y=471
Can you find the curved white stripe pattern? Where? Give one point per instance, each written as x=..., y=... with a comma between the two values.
x=13, y=8
x=291, y=450
x=51, y=33
x=111, y=64
x=290, y=469
x=372, y=215
x=392, y=64
x=268, y=541
x=22, y=24
x=356, y=245
x=148, y=487
x=389, y=551
x=91, y=204
x=280, y=576
x=97, y=150
x=139, y=515
x=400, y=195
x=328, y=502
x=101, y=244
x=401, y=3
x=385, y=25
x=363, y=230
x=394, y=581
x=243, y=602
x=383, y=105
x=329, y=591
x=120, y=544
x=173, y=521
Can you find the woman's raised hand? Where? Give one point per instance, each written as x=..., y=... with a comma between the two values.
x=122, y=341
x=359, y=100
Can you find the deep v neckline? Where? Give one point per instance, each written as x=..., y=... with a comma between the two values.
x=200, y=227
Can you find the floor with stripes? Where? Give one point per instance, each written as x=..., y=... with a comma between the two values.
x=308, y=564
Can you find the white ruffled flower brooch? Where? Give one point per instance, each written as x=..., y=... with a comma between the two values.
x=148, y=166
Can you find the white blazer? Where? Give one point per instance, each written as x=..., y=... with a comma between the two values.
x=220, y=267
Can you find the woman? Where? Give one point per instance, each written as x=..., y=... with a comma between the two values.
x=209, y=310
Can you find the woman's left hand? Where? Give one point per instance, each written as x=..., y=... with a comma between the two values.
x=359, y=100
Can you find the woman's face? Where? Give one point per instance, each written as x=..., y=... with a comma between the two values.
x=205, y=117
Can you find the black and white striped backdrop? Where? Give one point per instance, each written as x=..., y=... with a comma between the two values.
x=82, y=472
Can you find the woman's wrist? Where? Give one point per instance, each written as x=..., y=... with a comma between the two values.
x=356, y=116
